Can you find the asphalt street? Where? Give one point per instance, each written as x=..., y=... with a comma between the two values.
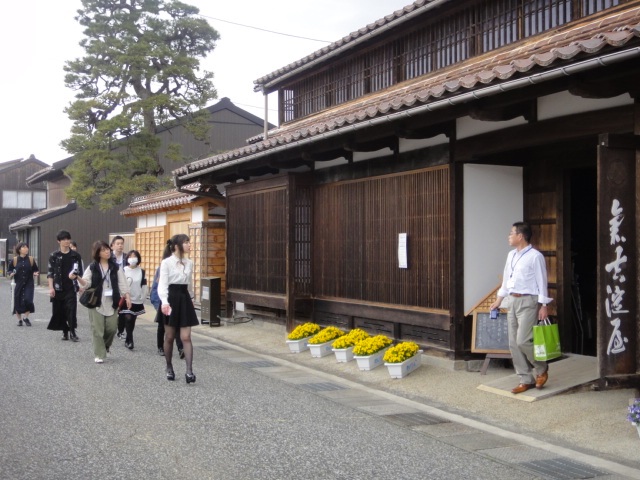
x=65, y=417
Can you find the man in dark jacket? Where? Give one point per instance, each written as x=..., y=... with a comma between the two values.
x=64, y=268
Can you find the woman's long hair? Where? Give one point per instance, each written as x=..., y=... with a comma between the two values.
x=173, y=242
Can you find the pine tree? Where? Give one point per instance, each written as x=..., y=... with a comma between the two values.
x=141, y=69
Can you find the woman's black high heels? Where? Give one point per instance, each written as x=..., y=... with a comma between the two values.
x=171, y=374
x=190, y=377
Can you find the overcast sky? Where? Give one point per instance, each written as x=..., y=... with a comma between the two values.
x=38, y=36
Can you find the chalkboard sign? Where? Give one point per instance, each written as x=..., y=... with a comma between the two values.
x=488, y=335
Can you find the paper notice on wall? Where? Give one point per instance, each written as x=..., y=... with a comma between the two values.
x=402, y=250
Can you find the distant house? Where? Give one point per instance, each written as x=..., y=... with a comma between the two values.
x=19, y=198
x=406, y=150
x=230, y=127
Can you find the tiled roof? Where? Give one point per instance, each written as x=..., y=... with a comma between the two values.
x=165, y=200
x=42, y=215
x=347, y=41
x=602, y=35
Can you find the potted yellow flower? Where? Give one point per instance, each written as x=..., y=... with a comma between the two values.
x=320, y=343
x=369, y=352
x=298, y=339
x=343, y=346
x=402, y=359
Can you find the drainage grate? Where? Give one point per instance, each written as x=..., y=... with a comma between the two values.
x=562, y=468
x=321, y=387
x=213, y=347
x=413, y=419
x=258, y=364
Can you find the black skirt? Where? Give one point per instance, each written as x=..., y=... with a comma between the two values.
x=183, y=314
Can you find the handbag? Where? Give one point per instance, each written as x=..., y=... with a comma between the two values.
x=90, y=297
x=546, y=341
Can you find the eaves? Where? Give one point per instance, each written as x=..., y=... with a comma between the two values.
x=617, y=43
x=30, y=220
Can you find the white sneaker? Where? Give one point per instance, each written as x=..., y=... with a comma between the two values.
x=99, y=360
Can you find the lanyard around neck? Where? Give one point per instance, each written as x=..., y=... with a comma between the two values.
x=513, y=266
x=105, y=275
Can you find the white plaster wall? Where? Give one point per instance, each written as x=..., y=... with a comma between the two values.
x=493, y=197
x=407, y=144
x=197, y=214
x=468, y=127
x=152, y=220
x=563, y=103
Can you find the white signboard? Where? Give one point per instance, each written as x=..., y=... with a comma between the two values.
x=402, y=250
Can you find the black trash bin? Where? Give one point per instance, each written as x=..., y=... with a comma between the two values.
x=210, y=296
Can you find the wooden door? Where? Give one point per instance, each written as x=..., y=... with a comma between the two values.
x=542, y=202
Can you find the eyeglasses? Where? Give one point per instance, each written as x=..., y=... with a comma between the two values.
x=514, y=233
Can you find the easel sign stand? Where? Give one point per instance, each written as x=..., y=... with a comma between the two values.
x=490, y=336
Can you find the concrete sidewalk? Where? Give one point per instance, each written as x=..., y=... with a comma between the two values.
x=581, y=424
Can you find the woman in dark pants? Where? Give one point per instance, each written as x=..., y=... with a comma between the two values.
x=174, y=289
x=23, y=269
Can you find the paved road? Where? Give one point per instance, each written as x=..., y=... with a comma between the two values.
x=64, y=417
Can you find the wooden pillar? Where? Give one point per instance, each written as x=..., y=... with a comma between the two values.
x=617, y=256
x=290, y=293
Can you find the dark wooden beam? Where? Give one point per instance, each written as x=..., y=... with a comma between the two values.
x=446, y=128
x=607, y=84
x=614, y=120
x=492, y=111
x=392, y=143
x=327, y=155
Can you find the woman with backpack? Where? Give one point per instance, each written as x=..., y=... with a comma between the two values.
x=22, y=269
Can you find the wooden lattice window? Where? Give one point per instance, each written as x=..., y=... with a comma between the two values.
x=257, y=252
x=356, y=227
x=437, y=43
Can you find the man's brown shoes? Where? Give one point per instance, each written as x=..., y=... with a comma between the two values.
x=523, y=387
x=542, y=379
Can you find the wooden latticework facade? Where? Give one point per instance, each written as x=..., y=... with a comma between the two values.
x=356, y=243
x=449, y=37
x=330, y=251
x=269, y=260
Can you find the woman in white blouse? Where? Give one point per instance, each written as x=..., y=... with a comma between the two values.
x=175, y=291
x=104, y=273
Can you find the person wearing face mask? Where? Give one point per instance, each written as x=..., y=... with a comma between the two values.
x=138, y=290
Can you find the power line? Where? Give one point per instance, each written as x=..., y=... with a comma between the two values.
x=265, y=30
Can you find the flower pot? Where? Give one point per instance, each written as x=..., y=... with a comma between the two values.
x=343, y=355
x=638, y=428
x=370, y=362
x=319, y=350
x=402, y=369
x=297, y=346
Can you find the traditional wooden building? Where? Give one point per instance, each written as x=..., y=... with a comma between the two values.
x=198, y=214
x=408, y=148
x=229, y=127
x=18, y=198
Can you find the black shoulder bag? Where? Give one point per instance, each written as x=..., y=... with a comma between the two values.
x=91, y=296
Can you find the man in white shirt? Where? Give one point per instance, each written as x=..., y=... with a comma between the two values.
x=525, y=282
x=117, y=249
